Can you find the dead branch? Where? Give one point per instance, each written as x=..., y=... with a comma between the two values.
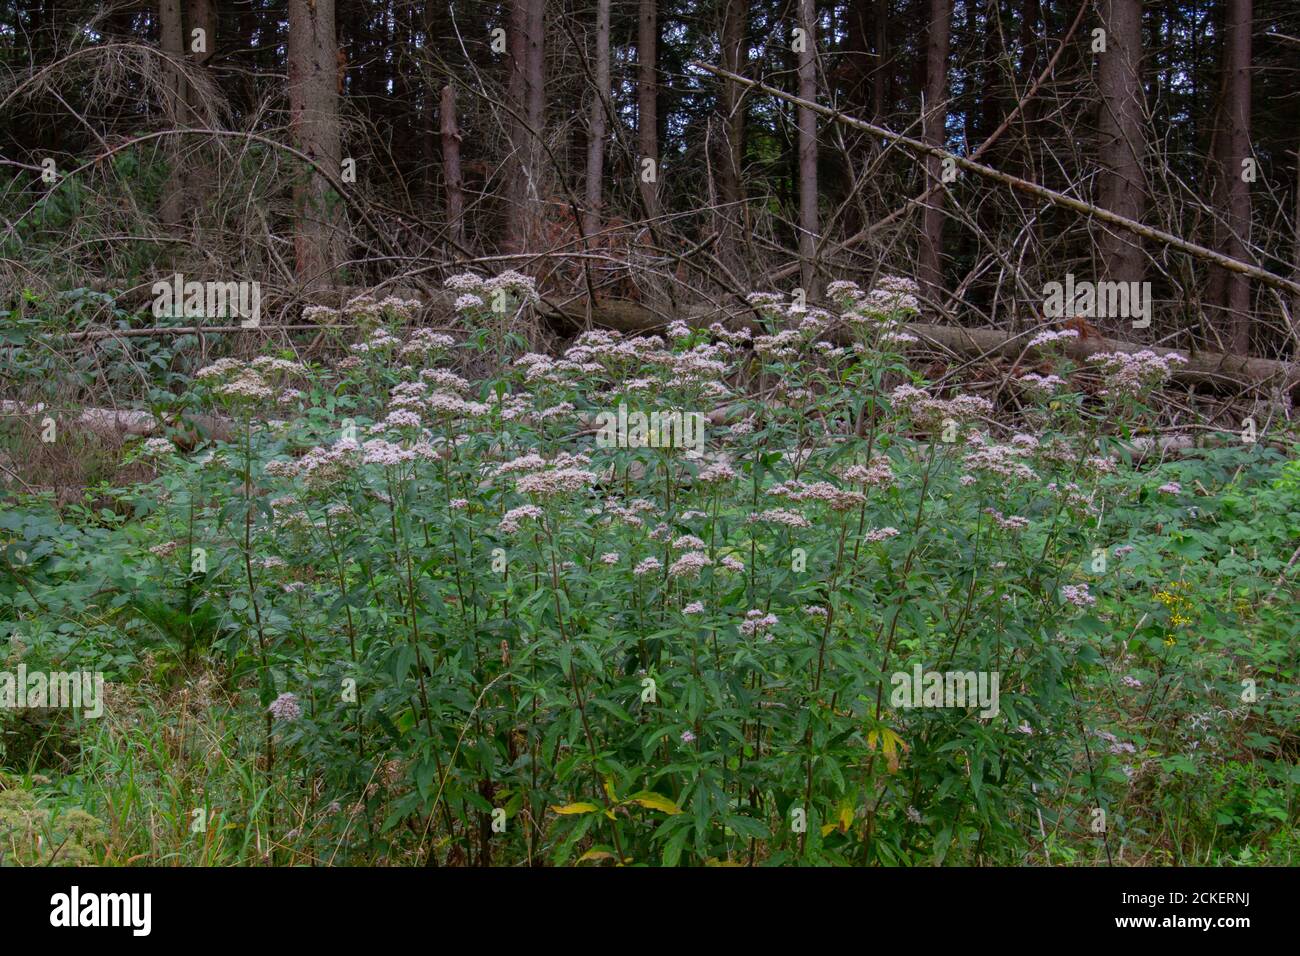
x=1025, y=186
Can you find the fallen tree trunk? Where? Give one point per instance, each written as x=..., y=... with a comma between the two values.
x=119, y=423
x=163, y=331
x=632, y=317
x=1213, y=367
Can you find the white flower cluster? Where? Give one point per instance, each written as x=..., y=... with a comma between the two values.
x=1134, y=373
x=471, y=287
x=929, y=412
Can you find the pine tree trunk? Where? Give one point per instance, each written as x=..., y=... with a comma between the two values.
x=451, y=168
x=1122, y=128
x=731, y=191
x=516, y=175
x=527, y=47
x=1031, y=63
x=880, y=77
x=198, y=171
x=1234, y=139
x=1295, y=248
x=171, y=40
x=313, y=108
x=647, y=98
x=933, y=120
x=808, y=146
x=536, y=37
x=596, y=128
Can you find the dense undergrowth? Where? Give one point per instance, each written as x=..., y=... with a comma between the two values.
x=404, y=617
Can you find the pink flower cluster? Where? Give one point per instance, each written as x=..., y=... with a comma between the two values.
x=791, y=519
x=510, y=520
x=878, y=474
x=1137, y=372
x=838, y=499
x=1042, y=384
x=689, y=564
x=1002, y=460
x=1077, y=594
x=556, y=481
x=646, y=566
x=930, y=412
x=1049, y=337
x=757, y=624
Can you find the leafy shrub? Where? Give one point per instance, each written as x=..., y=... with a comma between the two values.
x=465, y=627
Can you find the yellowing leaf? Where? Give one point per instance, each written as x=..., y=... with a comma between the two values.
x=597, y=855
x=846, y=817
x=572, y=808
x=827, y=828
x=655, y=801
x=889, y=743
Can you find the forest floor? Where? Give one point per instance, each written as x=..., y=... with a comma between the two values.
x=697, y=598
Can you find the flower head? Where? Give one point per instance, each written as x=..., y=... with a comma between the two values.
x=646, y=566
x=286, y=707
x=757, y=623
x=510, y=520
x=1077, y=594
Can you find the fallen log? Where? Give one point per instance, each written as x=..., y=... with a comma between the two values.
x=1212, y=367
x=164, y=331
x=632, y=317
x=118, y=423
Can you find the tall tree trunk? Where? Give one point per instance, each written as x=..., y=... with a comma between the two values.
x=994, y=81
x=536, y=91
x=1122, y=146
x=1024, y=153
x=808, y=145
x=1031, y=64
x=647, y=101
x=591, y=218
x=1295, y=249
x=515, y=186
x=313, y=107
x=735, y=55
x=198, y=171
x=248, y=37
x=431, y=132
x=880, y=78
x=860, y=35
x=528, y=99
x=859, y=66
x=451, y=168
x=1231, y=291
x=933, y=121
x=171, y=40
x=200, y=15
